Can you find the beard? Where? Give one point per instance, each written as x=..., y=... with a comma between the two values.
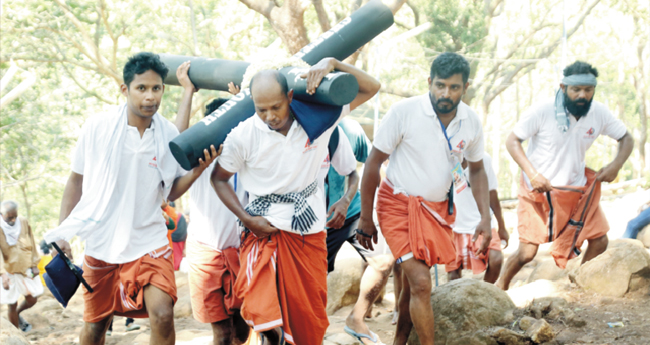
x=443, y=105
x=577, y=110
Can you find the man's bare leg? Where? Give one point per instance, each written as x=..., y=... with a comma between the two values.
x=596, y=247
x=222, y=332
x=495, y=261
x=241, y=328
x=397, y=289
x=404, y=323
x=457, y=274
x=29, y=302
x=421, y=314
x=160, y=308
x=524, y=254
x=372, y=283
x=94, y=333
x=12, y=314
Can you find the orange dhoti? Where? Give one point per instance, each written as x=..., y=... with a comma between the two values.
x=119, y=288
x=414, y=225
x=283, y=282
x=212, y=276
x=466, y=252
x=567, y=216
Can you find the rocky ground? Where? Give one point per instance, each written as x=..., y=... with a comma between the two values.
x=576, y=310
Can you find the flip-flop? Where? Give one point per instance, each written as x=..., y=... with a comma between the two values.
x=372, y=337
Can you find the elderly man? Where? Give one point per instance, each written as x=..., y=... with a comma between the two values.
x=559, y=196
x=20, y=269
x=283, y=276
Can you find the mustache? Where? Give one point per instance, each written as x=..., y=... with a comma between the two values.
x=448, y=100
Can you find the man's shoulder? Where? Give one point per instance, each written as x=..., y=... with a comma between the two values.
x=471, y=115
x=599, y=108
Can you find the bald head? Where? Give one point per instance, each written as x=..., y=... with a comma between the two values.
x=9, y=210
x=270, y=82
x=272, y=99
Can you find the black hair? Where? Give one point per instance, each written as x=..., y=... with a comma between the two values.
x=279, y=77
x=580, y=67
x=45, y=247
x=214, y=105
x=142, y=62
x=448, y=64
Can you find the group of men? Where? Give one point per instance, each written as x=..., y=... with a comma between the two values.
x=270, y=214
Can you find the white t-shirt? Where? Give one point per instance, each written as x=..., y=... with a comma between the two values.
x=419, y=153
x=271, y=163
x=135, y=224
x=343, y=161
x=212, y=223
x=467, y=214
x=560, y=157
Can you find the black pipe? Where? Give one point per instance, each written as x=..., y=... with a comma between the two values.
x=340, y=42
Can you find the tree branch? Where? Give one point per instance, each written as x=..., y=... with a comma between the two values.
x=323, y=19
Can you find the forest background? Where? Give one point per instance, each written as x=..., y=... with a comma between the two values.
x=61, y=61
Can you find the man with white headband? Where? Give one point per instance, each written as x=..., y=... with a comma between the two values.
x=559, y=196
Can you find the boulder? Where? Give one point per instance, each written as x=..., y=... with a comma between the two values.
x=541, y=288
x=343, y=283
x=644, y=236
x=10, y=335
x=623, y=267
x=547, y=270
x=540, y=332
x=464, y=307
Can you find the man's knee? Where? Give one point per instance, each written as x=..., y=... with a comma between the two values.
x=420, y=285
x=495, y=258
x=526, y=253
x=599, y=243
x=162, y=315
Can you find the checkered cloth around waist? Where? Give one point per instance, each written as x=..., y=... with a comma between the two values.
x=303, y=217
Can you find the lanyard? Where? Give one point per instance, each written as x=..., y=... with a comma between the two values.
x=444, y=131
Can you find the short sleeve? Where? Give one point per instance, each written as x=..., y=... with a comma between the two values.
x=389, y=134
x=343, y=160
x=493, y=183
x=475, y=147
x=612, y=127
x=529, y=125
x=232, y=158
x=360, y=143
x=78, y=155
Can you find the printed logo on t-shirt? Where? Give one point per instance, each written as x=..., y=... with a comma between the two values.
x=461, y=145
x=153, y=163
x=309, y=146
x=326, y=163
x=590, y=134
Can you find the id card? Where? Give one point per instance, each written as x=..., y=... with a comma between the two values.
x=460, y=183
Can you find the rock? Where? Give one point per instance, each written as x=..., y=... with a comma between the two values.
x=509, y=337
x=10, y=335
x=463, y=307
x=547, y=270
x=526, y=322
x=623, y=267
x=568, y=336
x=540, y=332
x=343, y=283
x=644, y=236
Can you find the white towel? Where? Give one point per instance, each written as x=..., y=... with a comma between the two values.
x=12, y=232
x=105, y=133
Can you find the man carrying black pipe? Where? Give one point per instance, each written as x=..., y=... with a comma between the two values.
x=283, y=277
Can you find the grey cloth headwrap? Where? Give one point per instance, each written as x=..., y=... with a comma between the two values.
x=303, y=217
x=560, y=112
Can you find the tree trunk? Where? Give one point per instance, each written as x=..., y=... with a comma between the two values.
x=23, y=188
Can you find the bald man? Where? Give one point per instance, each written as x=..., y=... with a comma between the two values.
x=283, y=277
